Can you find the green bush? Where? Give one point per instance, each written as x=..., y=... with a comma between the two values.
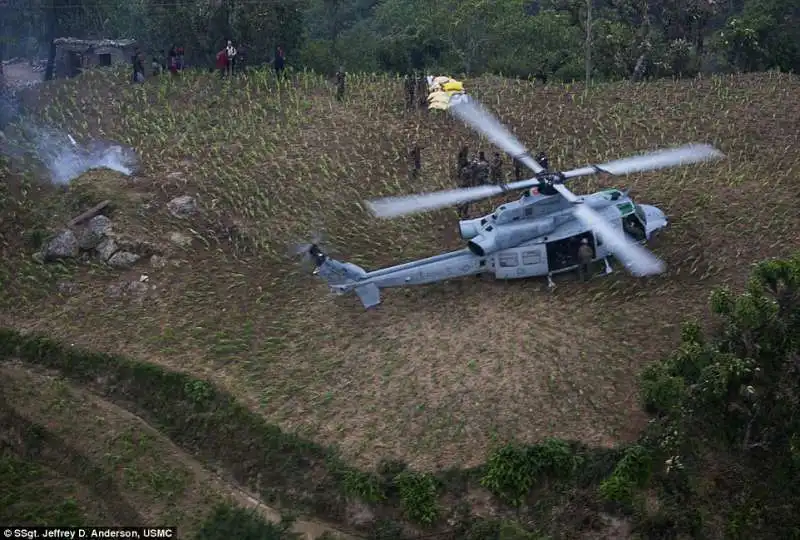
x=198, y=392
x=23, y=502
x=227, y=522
x=512, y=470
x=498, y=529
x=509, y=473
x=418, y=496
x=362, y=485
x=633, y=471
x=661, y=392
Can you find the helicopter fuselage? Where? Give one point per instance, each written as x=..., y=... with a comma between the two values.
x=536, y=235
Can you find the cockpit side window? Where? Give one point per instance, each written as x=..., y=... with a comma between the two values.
x=640, y=214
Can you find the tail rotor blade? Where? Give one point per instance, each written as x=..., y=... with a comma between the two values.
x=471, y=112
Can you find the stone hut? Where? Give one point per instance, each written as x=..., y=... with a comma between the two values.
x=74, y=55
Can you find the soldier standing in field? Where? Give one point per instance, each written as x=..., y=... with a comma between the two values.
x=416, y=161
x=541, y=159
x=462, y=160
x=422, y=91
x=482, y=170
x=466, y=179
x=409, y=88
x=340, y=81
x=496, y=171
x=517, y=170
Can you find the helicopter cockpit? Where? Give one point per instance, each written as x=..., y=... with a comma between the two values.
x=635, y=224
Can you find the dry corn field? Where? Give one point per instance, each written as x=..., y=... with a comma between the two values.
x=438, y=374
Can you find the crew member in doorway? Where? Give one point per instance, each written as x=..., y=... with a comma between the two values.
x=585, y=256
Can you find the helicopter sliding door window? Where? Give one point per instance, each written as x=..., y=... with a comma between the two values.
x=531, y=257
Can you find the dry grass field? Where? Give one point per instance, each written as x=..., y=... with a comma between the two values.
x=439, y=374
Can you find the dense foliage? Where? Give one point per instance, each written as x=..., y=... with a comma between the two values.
x=541, y=38
x=728, y=407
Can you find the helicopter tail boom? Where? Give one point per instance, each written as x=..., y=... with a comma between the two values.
x=343, y=277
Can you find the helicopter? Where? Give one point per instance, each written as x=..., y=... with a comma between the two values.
x=536, y=235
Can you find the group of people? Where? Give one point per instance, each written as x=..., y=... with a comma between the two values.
x=477, y=172
x=229, y=57
x=416, y=91
x=173, y=61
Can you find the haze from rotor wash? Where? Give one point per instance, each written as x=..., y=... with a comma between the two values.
x=64, y=158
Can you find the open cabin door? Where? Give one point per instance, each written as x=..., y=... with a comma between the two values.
x=521, y=262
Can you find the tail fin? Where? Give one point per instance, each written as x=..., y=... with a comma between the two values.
x=369, y=294
x=343, y=277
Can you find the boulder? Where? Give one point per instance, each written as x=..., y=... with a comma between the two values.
x=180, y=239
x=62, y=246
x=94, y=232
x=123, y=259
x=106, y=249
x=183, y=207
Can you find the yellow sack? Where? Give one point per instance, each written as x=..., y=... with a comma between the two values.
x=453, y=86
x=438, y=96
x=439, y=105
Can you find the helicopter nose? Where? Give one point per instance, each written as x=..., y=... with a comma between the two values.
x=655, y=218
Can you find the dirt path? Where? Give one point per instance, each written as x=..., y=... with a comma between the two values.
x=36, y=396
x=21, y=75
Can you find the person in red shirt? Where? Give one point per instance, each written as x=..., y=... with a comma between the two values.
x=222, y=62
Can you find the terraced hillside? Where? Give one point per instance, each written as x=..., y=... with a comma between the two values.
x=438, y=375
x=68, y=457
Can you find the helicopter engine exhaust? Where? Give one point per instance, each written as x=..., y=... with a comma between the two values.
x=469, y=228
x=481, y=245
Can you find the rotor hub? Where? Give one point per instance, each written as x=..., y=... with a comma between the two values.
x=317, y=255
x=549, y=179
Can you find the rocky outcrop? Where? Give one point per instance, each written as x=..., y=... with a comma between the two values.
x=63, y=245
x=98, y=240
x=94, y=232
x=183, y=207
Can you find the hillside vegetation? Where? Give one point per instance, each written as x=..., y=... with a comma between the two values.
x=439, y=377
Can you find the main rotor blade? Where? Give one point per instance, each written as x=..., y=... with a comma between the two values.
x=481, y=120
x=636, y=259
x=683, y=155
x=390, y=207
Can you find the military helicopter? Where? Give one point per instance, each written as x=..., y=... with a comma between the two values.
x=536, y=235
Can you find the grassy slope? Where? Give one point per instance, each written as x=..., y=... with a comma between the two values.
x=441, y=373
x=96, y=462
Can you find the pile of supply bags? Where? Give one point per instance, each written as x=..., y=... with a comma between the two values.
x=442, y=89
